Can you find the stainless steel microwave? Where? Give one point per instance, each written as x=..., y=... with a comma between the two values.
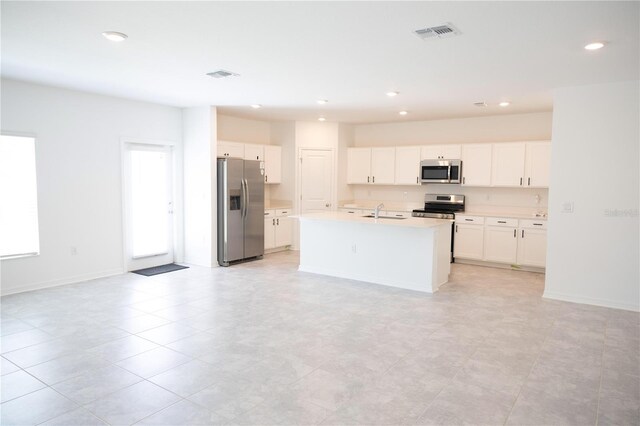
x=441, y=171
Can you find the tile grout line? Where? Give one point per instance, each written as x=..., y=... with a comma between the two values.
x=604, y=342
x=450, y=380
x=530, y=370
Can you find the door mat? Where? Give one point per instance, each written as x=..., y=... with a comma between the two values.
x=162, y=269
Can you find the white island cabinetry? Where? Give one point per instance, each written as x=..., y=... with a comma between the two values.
x=410, y=253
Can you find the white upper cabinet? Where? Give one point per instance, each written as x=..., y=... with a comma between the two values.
x=508, y=164
x=230, y=149
x=408, y=165
x=253, y=152
x=272, y=164
x=371, y=165
x=358, y=165
x=441, y=152
x=383, y=166
x=537, y=164
x=476, y=164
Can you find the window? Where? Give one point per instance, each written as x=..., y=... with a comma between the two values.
x=18, y=197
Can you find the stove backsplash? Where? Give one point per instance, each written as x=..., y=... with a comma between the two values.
x=514, y=200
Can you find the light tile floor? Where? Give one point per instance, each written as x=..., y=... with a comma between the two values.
x=260, y=343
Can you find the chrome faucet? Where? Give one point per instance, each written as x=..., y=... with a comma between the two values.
x=378, y=207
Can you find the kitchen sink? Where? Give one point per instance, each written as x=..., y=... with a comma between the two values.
x=384, y=217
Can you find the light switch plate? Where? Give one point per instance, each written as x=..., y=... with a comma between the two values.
x=567, y=207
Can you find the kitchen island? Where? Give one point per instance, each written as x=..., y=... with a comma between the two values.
x=411, y=253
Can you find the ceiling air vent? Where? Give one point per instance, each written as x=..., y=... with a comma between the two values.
x=441, y=31
x=222, y=74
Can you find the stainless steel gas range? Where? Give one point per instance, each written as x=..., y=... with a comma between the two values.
x=441, y=206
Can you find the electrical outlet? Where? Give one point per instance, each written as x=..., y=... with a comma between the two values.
x=567, y=207
x=74, y=250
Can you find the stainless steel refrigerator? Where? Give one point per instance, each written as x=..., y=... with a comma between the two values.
x=240, y=210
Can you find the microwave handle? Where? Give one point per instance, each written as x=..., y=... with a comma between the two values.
x=449, y=173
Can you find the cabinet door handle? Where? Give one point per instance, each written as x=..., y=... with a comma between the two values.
x=537, y=224
x=417, y=179
x=273, y=222
x=456, y=228
x=266, y=178
x=367, y=179
x=502, y=221
x=528, y=181
x=278, y=222
x=514, y=233
x=463, y=179
x=374, y=179
x=520, y=181
x=523, y=233
x=469, y=220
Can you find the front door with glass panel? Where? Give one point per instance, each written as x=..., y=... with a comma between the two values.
x=148, y=206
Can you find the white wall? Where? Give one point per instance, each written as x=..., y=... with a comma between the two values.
x=496, y=128
x=200, y=213
x=593, y=253
x=244, y=130
x=346, y=139
x=78, y=161
x=283, y=133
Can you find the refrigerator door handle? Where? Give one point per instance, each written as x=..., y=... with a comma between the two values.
x=243, y=200
x=246, y=196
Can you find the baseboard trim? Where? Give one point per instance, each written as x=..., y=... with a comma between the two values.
x=403, y=285
x=500, y=265
x=591, y=301
x=62, y=281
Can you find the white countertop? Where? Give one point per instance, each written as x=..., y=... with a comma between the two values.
x=410, y=222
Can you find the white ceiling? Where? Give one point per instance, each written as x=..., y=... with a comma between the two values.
x=289, y=55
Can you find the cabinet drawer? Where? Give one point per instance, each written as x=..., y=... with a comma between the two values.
x=397, y=213
x=350, y=210
x=530, y=223
x=283, y=212
x=501, y=221
x=477, y=220
x=269, y=213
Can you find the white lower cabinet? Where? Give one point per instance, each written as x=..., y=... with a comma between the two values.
x=500, y=240
x=532, y=243
x=469, y=237
x=278, y=230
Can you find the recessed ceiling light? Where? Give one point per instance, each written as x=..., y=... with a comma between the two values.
x=403, y=113
x=322, y=101
x=321, y=119
x=114, y=36
x=594, y=46
x=256, y=106
x=392, y=94
x=504, y=104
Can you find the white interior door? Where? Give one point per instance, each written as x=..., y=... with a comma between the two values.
x=148, y=206
x=316, y=176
